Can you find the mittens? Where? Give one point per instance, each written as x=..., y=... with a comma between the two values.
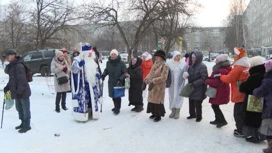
x=64, y=69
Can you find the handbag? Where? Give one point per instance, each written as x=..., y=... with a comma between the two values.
x=254, y=104
x=118, y=91
x=62, y=80
x=187, y=90
x=211, y=91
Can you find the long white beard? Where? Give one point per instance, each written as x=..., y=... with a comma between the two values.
x=90, y=70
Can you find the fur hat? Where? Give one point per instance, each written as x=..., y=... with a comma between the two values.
x=161, y=54
x=114, y=51
x=268, y=65
x=240, y=52
x=222, y=58
x=256, y=60
x=58, y=53
x=145, y=54
x=175, y=53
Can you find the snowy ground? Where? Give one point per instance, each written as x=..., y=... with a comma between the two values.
x=128, y=132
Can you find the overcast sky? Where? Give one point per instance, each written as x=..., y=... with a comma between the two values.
x=212, y=13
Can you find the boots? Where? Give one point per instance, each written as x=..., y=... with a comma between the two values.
x=269, y=148
x=139, y=108
x=177, y=113
x=157, y=118
x=117, y=106
x=26, y=127
x=172, y=113
x=19, y=126
x=134, y=109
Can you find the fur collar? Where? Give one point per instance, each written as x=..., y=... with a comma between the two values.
x=221, y=65
x=244, y=62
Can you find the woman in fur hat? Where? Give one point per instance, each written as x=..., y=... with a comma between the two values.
x=156, y=80
x=253, y=120
x=222, y=66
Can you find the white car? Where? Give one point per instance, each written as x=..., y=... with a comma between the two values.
x=124, y=57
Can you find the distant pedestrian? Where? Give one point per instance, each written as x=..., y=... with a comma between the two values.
x=146, y=66
x=19, y=88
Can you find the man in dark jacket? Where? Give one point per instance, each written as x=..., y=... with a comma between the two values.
x=19, y=88
x=198, y=74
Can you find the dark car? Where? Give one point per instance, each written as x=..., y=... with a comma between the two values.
x=40, y=61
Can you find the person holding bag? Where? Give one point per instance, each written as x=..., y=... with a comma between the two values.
x=156, y=80
x=222, y=93
x=197, y=76
x=117, y=71
x=61, y=80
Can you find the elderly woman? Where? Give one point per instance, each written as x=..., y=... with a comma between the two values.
x=157, y=82
x=59, y=68
x=177, y=69
x=117, y=71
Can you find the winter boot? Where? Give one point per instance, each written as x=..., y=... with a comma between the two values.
x=269, y=148
x=177, y=113
x=172, y=113
x=134, y=109
x=57, y=109
x=239, y=134
x=139, y=108
x=215, y=122
x=191, y=117
x=219, y=125
x=198, y=119
x=157, y=118
x=152, y=116
x=26, y=127
x=19, y=126
x=253, y=139
x=64, y=107
x=117, y=106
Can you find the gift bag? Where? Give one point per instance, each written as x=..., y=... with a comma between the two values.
x=118, y=92
x=254, y=104
x=127, y=82
x=211, y=92
x=187, y=90
x=8, y=100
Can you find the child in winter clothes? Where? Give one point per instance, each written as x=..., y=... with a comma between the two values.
x=238, y=74
x=265, y=91
x=222, y=66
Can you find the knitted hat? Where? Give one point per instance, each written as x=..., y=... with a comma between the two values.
x=240, y=52
x=256, y=60
x=175, y=53
x=145, y=54
x=114, y=51
x=58, y=53
x=161, y=54
x=268, y=65
x=222, y=58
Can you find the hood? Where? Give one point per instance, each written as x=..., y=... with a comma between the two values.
x=199, y=58
x=138, y=63
x=244, y=62
x=221, y=65
x=149, y=57
x=17, y=60
x=258, y=69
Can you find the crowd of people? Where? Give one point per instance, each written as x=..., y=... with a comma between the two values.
x=245, y=82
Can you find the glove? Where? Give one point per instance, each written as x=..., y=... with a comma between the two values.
x=217, y=75
x=103, y=77
x=6, y=89
x=81, y=63
x=185, y=75
x=64, y=69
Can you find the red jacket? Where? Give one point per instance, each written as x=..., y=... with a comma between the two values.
x=223, y=89
x=146, y=66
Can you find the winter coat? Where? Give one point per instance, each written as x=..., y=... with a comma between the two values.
x=197, y=76
x=146, y=65
x=158, y=75
x=256, y=75
x=57, y=69
x=136, y=81
x=18, y=84
x=238, y=74
x=223, y=89
x=116, y=70
x=265, y=91
x=177, y=69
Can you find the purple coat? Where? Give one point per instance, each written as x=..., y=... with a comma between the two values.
x=265, y=91
x=223, y=89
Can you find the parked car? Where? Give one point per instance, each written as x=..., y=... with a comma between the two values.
x=124, y=57
x=40, y=61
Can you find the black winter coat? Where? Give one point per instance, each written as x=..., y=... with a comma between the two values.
x=136, y=81
x=116, y=70
x=18, y=84
x=253, y=119
x=198, y=75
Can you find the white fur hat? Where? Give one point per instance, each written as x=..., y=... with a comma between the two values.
x=114, y=51
x=222, y=57
x=58, y=53
x=175, y=53
x=256, y=60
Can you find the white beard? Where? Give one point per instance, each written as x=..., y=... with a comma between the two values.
x=90, y=70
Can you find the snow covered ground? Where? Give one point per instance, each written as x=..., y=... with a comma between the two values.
x=129, y=132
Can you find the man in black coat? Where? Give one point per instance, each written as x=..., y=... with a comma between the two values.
x=19, y=88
